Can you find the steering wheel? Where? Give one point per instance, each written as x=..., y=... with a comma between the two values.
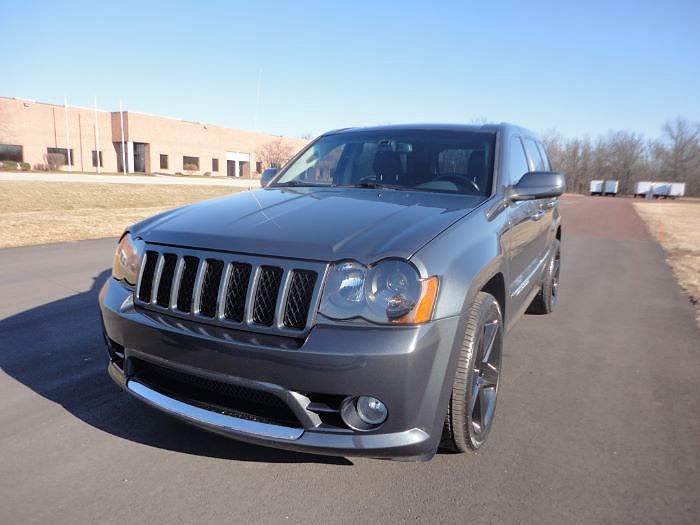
x=462, y=181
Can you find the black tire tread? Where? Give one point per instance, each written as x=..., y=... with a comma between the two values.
x=455, y=432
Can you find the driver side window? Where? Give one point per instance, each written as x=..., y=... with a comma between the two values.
x=517, y=161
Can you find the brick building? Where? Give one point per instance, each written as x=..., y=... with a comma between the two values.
x=78, y=139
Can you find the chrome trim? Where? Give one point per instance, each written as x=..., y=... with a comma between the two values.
x=212, y=420
x=288, y=267
x=281, y=304
x=156, y=277
x=177, y=277
x=522, y=282
x=223, y=289
x=197, y=290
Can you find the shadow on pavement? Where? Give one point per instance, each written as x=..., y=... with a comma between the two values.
x=57, y=351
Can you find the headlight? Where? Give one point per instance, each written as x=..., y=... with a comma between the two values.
x=127, y=259
x=390, y=291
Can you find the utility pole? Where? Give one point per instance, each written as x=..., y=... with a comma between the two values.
x=65, y=107
x=97, y=138
x=121, y=122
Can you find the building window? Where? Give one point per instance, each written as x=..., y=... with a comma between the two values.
x=59, y=157
x=95, y=157
x=258, y=167
x=11, y=152
x=214, y=164
x=190, y=163
x=163, y=162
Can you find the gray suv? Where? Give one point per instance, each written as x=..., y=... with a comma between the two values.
x=356, y=304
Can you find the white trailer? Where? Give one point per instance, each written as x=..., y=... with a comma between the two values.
x=676, y=190
x=641, y=189
x=610, y=187
x=661, y=190
x=597, y=187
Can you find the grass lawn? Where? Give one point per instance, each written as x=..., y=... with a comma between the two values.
x=676, y=225
x=43, y=212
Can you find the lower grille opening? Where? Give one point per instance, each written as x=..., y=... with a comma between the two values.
x=327, y=407
x=116, y=352
x=216, y=396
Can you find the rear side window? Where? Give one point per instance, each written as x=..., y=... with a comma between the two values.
x=533, y=156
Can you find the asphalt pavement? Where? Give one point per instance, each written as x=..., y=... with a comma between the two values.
x=598, y=418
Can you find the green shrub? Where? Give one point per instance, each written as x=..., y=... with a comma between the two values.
x=25, y=166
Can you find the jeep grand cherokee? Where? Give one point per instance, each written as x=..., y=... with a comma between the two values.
x=355, y=305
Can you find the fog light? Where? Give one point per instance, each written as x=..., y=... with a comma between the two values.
x=371, y=410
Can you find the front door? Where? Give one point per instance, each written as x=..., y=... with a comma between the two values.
x=230, y=168
x=140, y=157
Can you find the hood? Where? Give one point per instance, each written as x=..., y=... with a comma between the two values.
x=323, y=224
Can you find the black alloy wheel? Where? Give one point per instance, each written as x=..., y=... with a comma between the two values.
x=475, y=390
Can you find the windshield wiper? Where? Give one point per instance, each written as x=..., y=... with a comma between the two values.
x=371, y=182
x=299, y=183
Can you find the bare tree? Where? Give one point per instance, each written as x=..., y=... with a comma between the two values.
x=625, y=156
x=274, y=154
x=677, y=154
x=573, y=157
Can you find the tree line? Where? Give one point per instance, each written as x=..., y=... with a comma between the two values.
x=629, y=157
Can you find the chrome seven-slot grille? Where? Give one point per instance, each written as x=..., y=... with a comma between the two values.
x=254, y=293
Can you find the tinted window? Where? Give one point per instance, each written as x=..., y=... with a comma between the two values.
x=533, y=155
x=517, y=162
x=96, y=155
x=59, y=156
x=11, y=152
x=545, y=159
x=420, y=160
x=190, y=163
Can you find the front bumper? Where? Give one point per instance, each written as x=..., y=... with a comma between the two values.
x=409, y=368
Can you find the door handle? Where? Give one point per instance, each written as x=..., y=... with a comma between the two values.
x=537, y=215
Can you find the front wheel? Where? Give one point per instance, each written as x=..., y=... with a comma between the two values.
x=473, y=401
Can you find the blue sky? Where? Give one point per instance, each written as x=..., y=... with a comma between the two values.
x=578, y=67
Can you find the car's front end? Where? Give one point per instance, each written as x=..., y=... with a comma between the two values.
x=297, y=315
x=236, y=344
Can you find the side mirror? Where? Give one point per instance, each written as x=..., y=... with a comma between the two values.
x=267, y=176
x=538, y=185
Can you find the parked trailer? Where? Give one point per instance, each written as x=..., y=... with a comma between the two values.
x=597, y=187
x=677, y=190
x=641, y=189
x=661, y=190
x=610, y=187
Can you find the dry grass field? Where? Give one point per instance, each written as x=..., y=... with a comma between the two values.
x=43, y=212
x=676, y=225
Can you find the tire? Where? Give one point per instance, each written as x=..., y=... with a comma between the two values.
x=546, y=300
x=475, y=389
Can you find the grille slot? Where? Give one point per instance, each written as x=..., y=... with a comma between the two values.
x=210, y=287
x=165, y=285
x=247, y=292
x=186, y=291
x=149, y=270
x=266, y=294
x=236, y=291
x=301, y=289
x=225, y=398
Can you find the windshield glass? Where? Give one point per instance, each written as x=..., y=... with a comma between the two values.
x=419, y=160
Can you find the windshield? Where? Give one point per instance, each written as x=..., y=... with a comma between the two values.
x=419, y=160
